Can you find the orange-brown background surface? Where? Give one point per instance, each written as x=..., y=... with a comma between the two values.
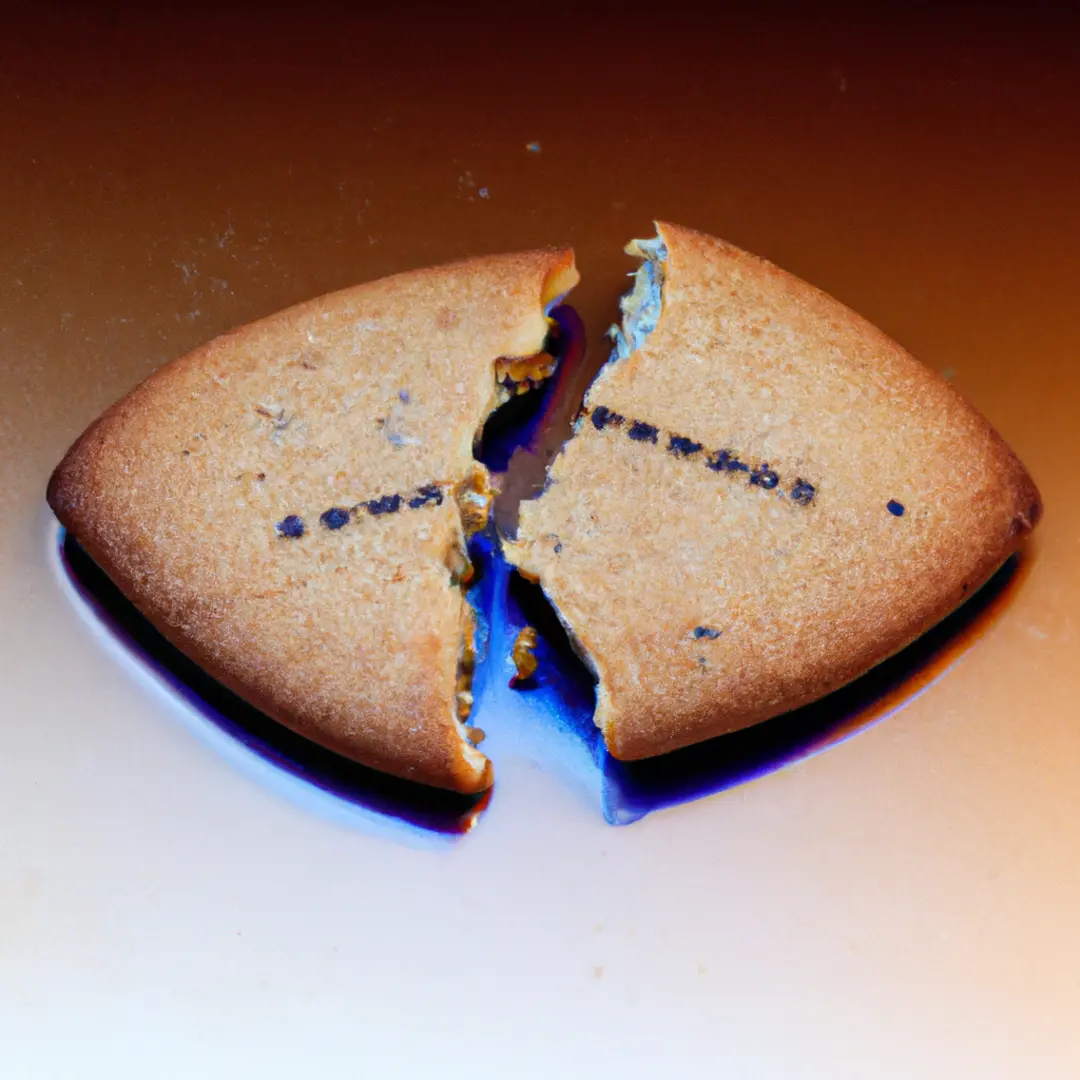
x=903, y=905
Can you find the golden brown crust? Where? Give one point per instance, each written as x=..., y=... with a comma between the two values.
x=350, y=636
x=710, y=598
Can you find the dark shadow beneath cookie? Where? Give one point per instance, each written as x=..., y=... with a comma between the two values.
x=519, y=423
x=630, y=790
x=633, y=789
x=425, y=807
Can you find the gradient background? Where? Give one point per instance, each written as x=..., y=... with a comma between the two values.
x=903, y=905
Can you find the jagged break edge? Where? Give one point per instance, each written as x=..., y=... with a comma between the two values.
x=642, y=308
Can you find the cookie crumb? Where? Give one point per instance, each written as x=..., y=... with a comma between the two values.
x=524, y=658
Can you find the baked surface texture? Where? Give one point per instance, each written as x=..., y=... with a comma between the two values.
x=280, y=502
x=766, y=499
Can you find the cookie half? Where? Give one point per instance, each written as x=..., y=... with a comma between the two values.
x=289, y=503
x=764, y=497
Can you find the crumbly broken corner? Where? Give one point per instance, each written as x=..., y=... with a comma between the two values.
x=520, y=374
x=474, y=496
x=642, y=306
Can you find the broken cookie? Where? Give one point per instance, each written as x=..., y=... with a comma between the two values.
x=763, y=498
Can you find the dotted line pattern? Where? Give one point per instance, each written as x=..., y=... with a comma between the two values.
x=293, y=526
x=760, y=475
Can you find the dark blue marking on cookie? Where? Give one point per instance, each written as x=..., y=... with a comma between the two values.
x=706, y=632
x=681, y=446
x=895, y=508
x=602, y=417
x=726, y=461
x=291, y=527
x=388, y=504
x=761, y=475
x=429, y=493
x=764, y=477
x=334, y=518
x=642, y=432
